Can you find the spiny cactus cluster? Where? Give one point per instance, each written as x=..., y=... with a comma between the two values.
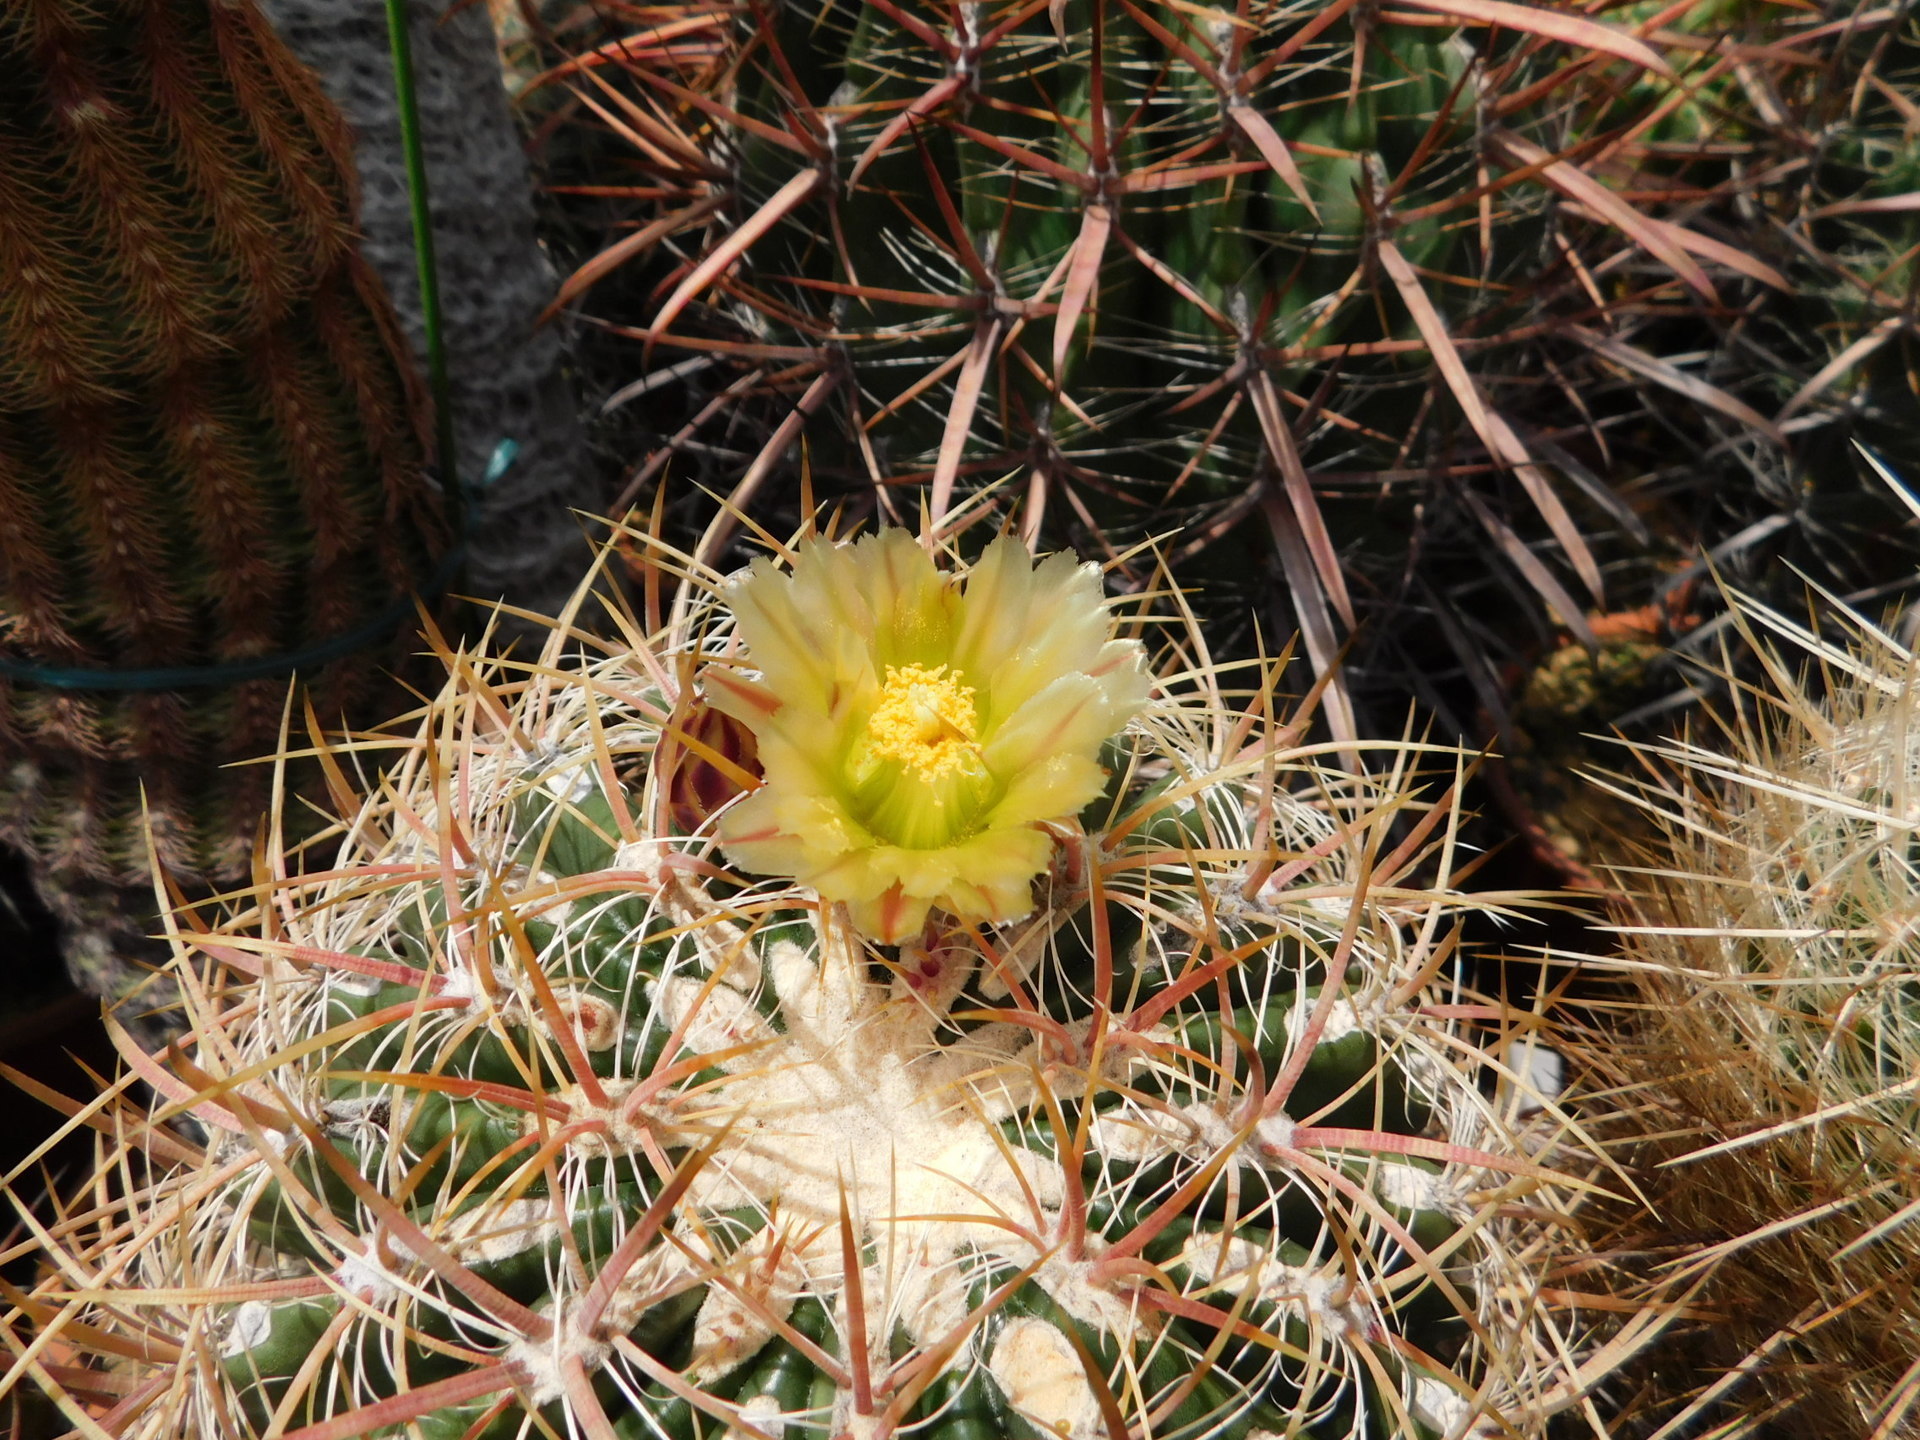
x=1354, y=275
x=1832, y=359
x=523, y=1111
x=1765, y=1082
x=208, y=452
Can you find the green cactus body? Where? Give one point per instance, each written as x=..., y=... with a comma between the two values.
x=531, y=1115
x=1160, y=264
x=1039, y=149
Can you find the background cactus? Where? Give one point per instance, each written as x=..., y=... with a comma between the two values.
x=523, y=1114
x=1365, y=278
x=1559, y=317
x=1832, y=359
x=1763, y=1083
x=208, y=452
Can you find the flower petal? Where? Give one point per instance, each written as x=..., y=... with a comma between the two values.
x=1061, y=786
x=913, y=606
x=993, y=874
x=988, y=878
x=1073, y=713
x=1022, y=627
x=806, y=631
x=889, y=917
x=1016, y=684
x=757, y=842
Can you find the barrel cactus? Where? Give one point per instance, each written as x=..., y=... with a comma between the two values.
x=863, y=1002
x=210, y=468
x=208, y=446
x=1765, y=1082
x=1342, y=279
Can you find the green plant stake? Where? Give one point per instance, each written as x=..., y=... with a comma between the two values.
x=400, y=40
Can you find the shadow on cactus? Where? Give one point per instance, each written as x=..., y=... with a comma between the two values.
x=524, y=1111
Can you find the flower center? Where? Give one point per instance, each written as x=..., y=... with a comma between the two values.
x=924, y=720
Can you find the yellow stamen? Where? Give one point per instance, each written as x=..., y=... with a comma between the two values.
x=924, y=720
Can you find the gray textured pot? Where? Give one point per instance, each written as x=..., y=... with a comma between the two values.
x=508, y=379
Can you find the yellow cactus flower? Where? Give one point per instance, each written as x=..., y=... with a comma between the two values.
x=917, y=729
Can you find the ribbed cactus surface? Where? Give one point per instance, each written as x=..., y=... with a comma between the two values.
x=1344, y=272
x=208, y=447
x=525, y=1111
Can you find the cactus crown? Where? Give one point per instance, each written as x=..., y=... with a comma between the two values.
x=525, y=1113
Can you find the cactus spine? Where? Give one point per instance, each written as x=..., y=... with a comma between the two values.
x=1764, y=1084
x=524, y=1113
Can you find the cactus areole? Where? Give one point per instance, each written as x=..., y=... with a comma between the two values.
x=531, y=1111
